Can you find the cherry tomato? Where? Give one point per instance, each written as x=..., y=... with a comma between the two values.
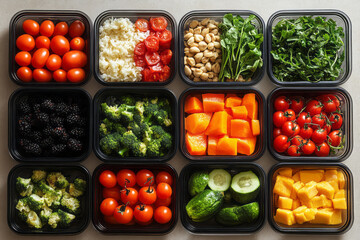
x=322, y=150
x=306, y=132
x=303, y=118
x=157, y=68
x=318, y=121
x=276, y=132
x=163, y=202
x=162, y=215
x=142, y=25
x=290, y=115
x=61, y=29
x=296, y=129
x=166, y=56
x=47, y=28
x=76, y=29
x=288, y=128
x=336, y=121
x=314, y=107
x=59, y=45
x=42, y=75
x=145, y=177
x=31, y=27
x=147, y=195
x=297, y=140
x=59, y=75
x=308, y=148
x=129, y=196
x=108, y=179
x=123, y=214
x=281, y=143
x=335, y=138
x=24, y=74
x=297, y=104
x=319, y=136
x=76, y=75
x=327, y=97
x=327, y=126
x=39, y=58
x=158, y=23
x=143, y=213
x=107, y=206
x=164, y=177
x=165, y=39
x=148, y=76
x=126, y=177
x=113, y=192
x=279, y=119
x=74, y=59
x=163, y=191
x=25, y=42
x=53, y=62
x=293, y=151
x=152, y=44
x=140, y=48
x=77, y=43
x=110, y=219
x=42, y=42
x=140, y=60
x=23, y=58
x=165, y=74
x=281, y=103
x=329, y=105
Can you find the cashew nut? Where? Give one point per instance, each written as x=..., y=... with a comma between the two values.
x=204, y=76
x=204, y=60
x=197, y=72
x=198, y=56
x=199, y=65
x=196, y=79
x=208, y=66
x=208, y=54
x=203, y=69
x=190, y=41
x=211, y=46
x=202, y=46
x=205, y=31
x=188, y=35
x=217, y=45
x=194, y=23
x=197, y=30
x=191, y=61
x=207, y=38
x=198, y=37
x=211, y=26
x=210, y=74
x=215, y=31
x=194, y=50
x=216, y=68
x=205, y=21
x=187, y=71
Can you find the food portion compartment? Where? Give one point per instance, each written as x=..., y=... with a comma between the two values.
x=309, y=47
x=50, y=47
x=45, y=199
x=308, y=124
x=204, y=61
x=135, y=47
x=135, y=198
x=311, y=198
x=135, y=124
x=222, y=124
x=50, y=125
x=225, y=198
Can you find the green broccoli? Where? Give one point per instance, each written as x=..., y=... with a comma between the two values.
x=140, y=107
x=56, y=179
x=54, y=219
x=128, y=142
x=154, y=100
x=138, y=118
x=24, y=186
x=45, y=214
x=104, y=129
x=157, y=131
x=23, y=215
x=165, y=137
x=135, y=128
x=139, y=149
x=153, y=148
x=149, y=112
x=70, y=204
x=165, y=105
x=33, y=220
x=110, y=143
x=126, y=114
x=38, y=175
x=65, y=218
x=127, y=99
x=35, y=202
x=119, y=128
x=111, y=112
x=22, y=205
x=80, y=184
x=53, y=198
x=37, y=190
x=162, y=118
x=75, y=192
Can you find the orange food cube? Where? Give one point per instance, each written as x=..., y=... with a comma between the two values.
x=296, y=177
x=197, y=123
x=284, y=216
x=340, y=194
x=240, y=128
x=299, y=209
x=212, y=143
x=311, y=175
x=286, y=172
x=336, y=218
x=322, y=216
x=239, y=112
x=233, y=102
x=339, y=203
x=246, y=145
x=193, y=105
x=255, y=127
x=251, y=104
x=331, y=175
x=341, y=179
x=196, y=144
x=310, y=214
x=306, y=193
x=295, y=188
x=285, y=203
x=296, y=204
x=326, y=189
x=218, y=124
x=213, y=102
x=300, y=218
x=283, y=186
x=317, y=202
x=227, y=146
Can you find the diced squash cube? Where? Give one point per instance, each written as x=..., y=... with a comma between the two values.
x=284, y=216
x=212, y=143
x=322, y=217
x=296, y=187
x=326, y=189
x=311, y=175
x=327, y=202
x=283, y=186
x=300, y=218
x=233, y=102
x=296, y=177
x=317, y=202
x=299, y=209
x=339, y=203
x=227, y=146
x=251, y=104
x=213, y=102
x=336, y=218
x=218, y=124
x=255, y=127
x=296, y=204
x=307, y=192
x=240, y=128
x=193, y=105
x=246, y=145
x=331, y=175
x=340, y=194
x=197, y=123
x=285, y=203
x=341, y=179
x=239, y=112
x=286, y=172
x=310, y=213
x=196, y=144
x=334, y=184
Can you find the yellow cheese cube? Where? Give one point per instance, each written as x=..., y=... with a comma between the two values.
x=322, y=217
x=339, y=203
x=300, y=209
x=311, y=175
x=336, y=218
x=285, y=203
x=286, y=172
x=283, y=186
x=296, y=177
x=340, y=194
x=326, y=189
x=341, y=179
x=307, y=192
x=284, y=216
x=317, y=202
x=310, y=214
x=296, y=187
x=300, y=218
x=296, y=204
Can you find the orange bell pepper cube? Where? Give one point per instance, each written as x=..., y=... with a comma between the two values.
x=233, y=102
x=255, y=127
x=218, y=124
x=196, y=144
x=197, y=123
x=227, y=146
x=246, y=145
x=252, y=106
x=240, y=128
x=212, y=144
x=239, y=112
x=193, y=105
x=213, y=102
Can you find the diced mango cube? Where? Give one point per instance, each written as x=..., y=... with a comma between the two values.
x=283, y=186
x=296, y=204
x=300, y=218
x=341, y=179
x=311, y=175
x=326, y=189
x=284, y=216
x=339, y=203
x=310, y=213
x=334, y=184
x=296, y=187
x=307, y=192
x=285, y=203
x=322, y=216
x=331, y=175
x=296, y=177
x=336, y=218
x=317, y=202
x=286, y=172
x=299, y=209
x=327, y=202
x=340, y=194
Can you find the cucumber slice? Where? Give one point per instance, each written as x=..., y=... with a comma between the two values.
x=245, y=187
x=219, y=180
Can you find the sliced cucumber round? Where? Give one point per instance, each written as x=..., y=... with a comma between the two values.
x=219, y=180
x=245, y=187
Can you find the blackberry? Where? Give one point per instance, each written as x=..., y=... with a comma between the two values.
x=24, y=106
x=58, y=132
x=36, y=108
x=47, y=131
x=77, y=132
x=57, y=121
x=36, y=136
x=23, y=142
x=75, y=108
x=47, y=105
x=32, y=149
x=58, y=149
x=73, y=119
x=62, y=109
x=64, y=137
x=28, y=117
x=74, y=145
x=47, y=142
x=24, y=126
x=82, y=122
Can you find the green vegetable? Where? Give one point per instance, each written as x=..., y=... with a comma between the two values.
x=240, y=45
x=33, y=220
x=24, y=186
x=307, y=49
x=204, y=205
x=245, y=187
x=198, y=182
x=231, y=216
x=219, y=180
x=38, y=175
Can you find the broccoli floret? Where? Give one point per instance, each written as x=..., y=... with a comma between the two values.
x=45, y=214
x=103, y=130
x=33, y=220
x=24, y=186
x=127, y=99
x=154, y=100
x=35, y=202
x=138, y=118
x=56, y=179
x=135, y=128
x=23, y=216
x=54, y=219
x=140, y=107
x=44, y=187
x=80, y=184
x=166, y=142
x=110, y=143
x=150, y=110
x=53, y=198
x=61, y=182
x=139, y=149
x=127, y=116
x=111, y=112
x=112, y=101
x=128, y=142
x=157, y=131
x=37, y=191
x=65, y=218
x=165, y=105
x=38, y=175
x=70, y=204
x=74, y=191
x=119, y=128
x=162, y=118
x=153, y=148
x=23, y=206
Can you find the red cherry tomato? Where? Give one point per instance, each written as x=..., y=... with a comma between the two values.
x=281, y=143
x=108, y=179
x=303, y=118
x=163, y=202
x=276, y=132
x=152, y=58
x=336, y=121
x=42, y=75
x=107, y=206
x=165, y=38
x=148, y=76
x=42, y=42
x=126, y=177
x=61, y=28
x=142, y=25
x=308, y=148
x=162, y=215
x=47, y=28
x=152, y=44
x=60, y=75
x=335, y=138
x=322, y=150
x=297, y=140
x=143, y=213
x=288, y=128
x=314, y=107
x=39, y=58
x=31, y=27
x=53, y=62
x=281, y=103
x=279, y=119
x=318, y=121
x=129, y=196
x=327, y=97
x=74, y=59
x=145, y=177
x=319, y=136
x=77, y=43
x=165, y=74
x=23, y=58
x=76, y=75
x=123, y=214
x=164, y=177
x=306, y=132
x=166, y=56
x=140, y=60
x=140, y=48
x=290, y=115
x=24, y=74
x=76, y=29
x=25, y=42
x=163, y=191
x=297, y=104
x=147, y=195
x=59, y=45
x=158, y=23
x=113, y=192
x=157, y=68
x=293, y=151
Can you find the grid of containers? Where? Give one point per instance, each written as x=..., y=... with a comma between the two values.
x=211, y=162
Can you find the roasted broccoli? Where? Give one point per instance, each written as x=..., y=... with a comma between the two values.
x=35, y=202
x=65, y=218
x=80, y=184
x=70, y=204
x=24, y=186
x=127, y=100
x=54, y=219
x=23, y=206
x=111, y=112
x=56, y=179
x=38, y=175
x=33, y=220
x=45, y=214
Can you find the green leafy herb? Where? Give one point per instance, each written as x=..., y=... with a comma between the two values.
x=240, y=46
x=307, y=49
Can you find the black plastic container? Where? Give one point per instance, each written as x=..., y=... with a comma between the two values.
x=83, y=98
x=308, y=228
x=260, y=143
x=70, y=172
x=100, y=97
x=133, y=15
x=152, y=229
x=346, y=109
x=339, y=17
x=68, y=16
x=210, y=226
x=218, y=15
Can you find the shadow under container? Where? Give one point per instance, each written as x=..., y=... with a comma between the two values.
x=68, y=16
x=71, y=172
x=309, y=228
x=210, y=227
x=346, y=109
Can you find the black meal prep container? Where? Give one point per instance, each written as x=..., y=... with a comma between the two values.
x=68, y=16
x=218, y=15
x=211, y=226
x=152, y=229
x=313, y=228
x=341, y=20
x=70, y=172
x=346, y=109
x=100, y=97
x=133, y=15
x=80, y=95
x=260, y=144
